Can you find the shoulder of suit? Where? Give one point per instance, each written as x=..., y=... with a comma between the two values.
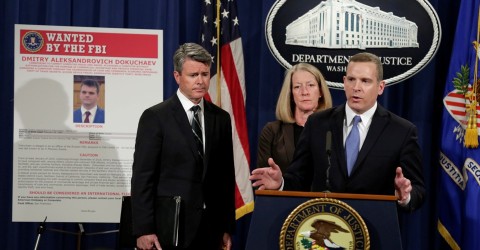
x=333, y=111
x=276, y=125
x=383, y=112
x=164, y=105
x=211, y=107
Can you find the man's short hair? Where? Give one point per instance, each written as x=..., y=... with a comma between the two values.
x=192, y=51
x=91, y=83
x=369, y=57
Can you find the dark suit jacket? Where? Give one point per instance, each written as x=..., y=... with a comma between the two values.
x=276, y=141
x=99, y=116
x=166, y=164
x=391, y=141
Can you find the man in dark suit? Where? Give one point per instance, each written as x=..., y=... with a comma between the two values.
x=169, y=161
x=89, y=112
x=387, y=157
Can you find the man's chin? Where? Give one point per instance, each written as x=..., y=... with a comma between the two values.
x=355, y=106
x=199, y=94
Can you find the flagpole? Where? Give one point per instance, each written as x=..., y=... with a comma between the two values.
x=219, y=84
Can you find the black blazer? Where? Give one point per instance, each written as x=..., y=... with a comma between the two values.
x=166, y=164
x=276, y=141
x=391, y=141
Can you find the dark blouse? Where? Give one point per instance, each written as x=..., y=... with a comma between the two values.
x=297, y=130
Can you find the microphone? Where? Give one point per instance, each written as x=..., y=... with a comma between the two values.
x=328, y=151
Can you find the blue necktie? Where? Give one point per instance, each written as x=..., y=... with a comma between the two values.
x=352, y=144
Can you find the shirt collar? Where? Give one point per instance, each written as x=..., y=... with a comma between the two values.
x=92, y=110
x=366, y=116
x=186, y=103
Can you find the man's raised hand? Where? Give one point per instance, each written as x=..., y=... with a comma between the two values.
x=268, y=177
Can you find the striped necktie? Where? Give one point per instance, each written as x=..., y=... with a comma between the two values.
x=197, y=129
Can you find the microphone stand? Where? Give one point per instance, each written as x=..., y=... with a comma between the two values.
x=40, y=230
x=327, y=181
x=81, y=232
x=328, y=151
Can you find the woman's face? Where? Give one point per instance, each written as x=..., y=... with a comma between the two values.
x=305, y=90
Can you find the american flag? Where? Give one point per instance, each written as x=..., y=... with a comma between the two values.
x=221, y=37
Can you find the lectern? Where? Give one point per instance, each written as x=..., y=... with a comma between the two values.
x=379, y=212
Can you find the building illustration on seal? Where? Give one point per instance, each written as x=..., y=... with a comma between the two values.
x=349, y=24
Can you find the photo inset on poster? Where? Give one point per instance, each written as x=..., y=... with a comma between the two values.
x=88, y=99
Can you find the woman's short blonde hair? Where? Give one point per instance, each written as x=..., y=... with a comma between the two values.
x=286, y=105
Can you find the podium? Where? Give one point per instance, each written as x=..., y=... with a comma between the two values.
x=379, y=212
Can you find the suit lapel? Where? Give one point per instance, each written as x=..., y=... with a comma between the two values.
x=379, y=121
x=336, y=126
x=288, y=140
x=182, y=120
x=209, y=129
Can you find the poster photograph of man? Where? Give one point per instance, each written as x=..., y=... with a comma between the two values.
x=89, y=99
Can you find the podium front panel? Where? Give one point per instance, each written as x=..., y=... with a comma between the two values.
x=270, y=213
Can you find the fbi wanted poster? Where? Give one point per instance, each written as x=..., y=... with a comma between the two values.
x=79, y=93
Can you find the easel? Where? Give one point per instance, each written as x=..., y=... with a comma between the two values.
x=81, y=232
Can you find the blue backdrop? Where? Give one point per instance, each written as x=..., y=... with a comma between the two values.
x=418, y=99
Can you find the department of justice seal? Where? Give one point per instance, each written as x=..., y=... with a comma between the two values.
x=405, y=34
x=324, y=223
x=32, y=41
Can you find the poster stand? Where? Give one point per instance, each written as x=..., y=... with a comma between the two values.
x=81, y=232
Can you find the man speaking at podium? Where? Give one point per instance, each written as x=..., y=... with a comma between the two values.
x=358, y=147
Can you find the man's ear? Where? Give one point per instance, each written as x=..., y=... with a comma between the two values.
x=381, y=87
x=176, y=75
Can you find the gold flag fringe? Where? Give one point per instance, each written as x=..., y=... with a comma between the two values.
x=471, y=133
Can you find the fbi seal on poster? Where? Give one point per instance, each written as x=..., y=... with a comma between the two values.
x=324, y=223
x=32, y=41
